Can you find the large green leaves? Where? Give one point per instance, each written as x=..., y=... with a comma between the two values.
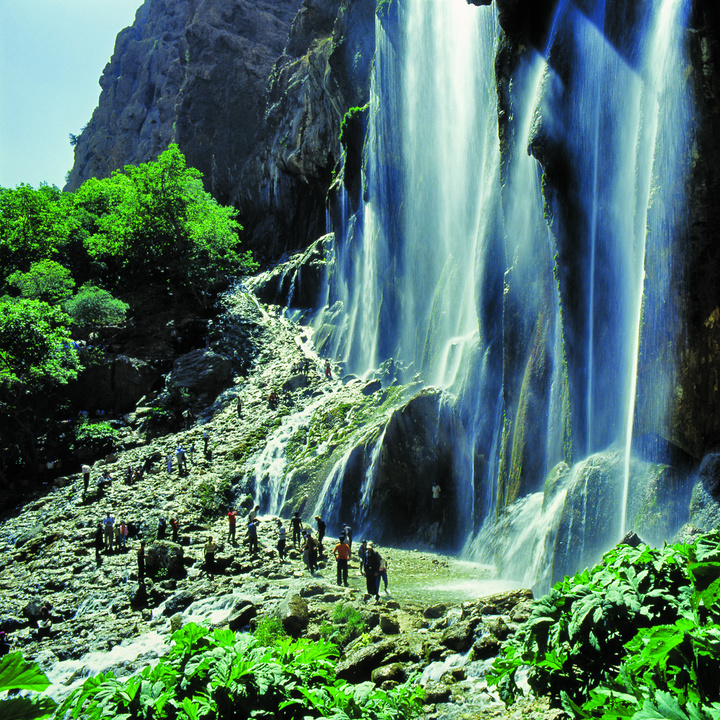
x=17, y=674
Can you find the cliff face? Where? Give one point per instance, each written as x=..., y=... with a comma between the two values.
x=246, y=90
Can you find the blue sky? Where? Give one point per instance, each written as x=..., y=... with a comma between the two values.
x=52, y=53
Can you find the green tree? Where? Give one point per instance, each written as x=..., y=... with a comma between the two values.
x=155, y=222
x=33, y=226
x=36, y=358
x=45, y=280
x=94, y=307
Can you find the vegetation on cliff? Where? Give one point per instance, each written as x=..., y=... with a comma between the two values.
x=147, y=225
x=634, y=637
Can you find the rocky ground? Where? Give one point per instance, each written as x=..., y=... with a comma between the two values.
x=97, y=604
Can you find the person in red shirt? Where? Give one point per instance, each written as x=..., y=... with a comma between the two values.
x=232, y=519
x=342, y=555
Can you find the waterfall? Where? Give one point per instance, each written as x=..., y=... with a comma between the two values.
x=514, y=238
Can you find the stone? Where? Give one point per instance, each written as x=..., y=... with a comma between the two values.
x=203, y=372
x=389, y=625
x=357, y=665
x=459, y=636
x=167, y=556
x=293, y=613
x=395, y=672
x=177, y=603
x=241, y=617
x=435, y=611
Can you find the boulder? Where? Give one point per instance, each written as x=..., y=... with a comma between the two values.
x=459, y=636
x=389, y=625
x=293, y=613
x=203, y=372
x=705, y=500
x=164, y=555
x=359, y=664
x=395, y=672
x=178, y=603
x=435, y=611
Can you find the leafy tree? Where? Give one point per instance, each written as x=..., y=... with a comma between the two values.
x=33, y=226
x=36, y=358
x=94, y=307
x=45, y=280
x=155, y=222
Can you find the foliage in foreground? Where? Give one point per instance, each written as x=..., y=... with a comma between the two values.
x=220, y=674
x=17, y=674
x=634, y=637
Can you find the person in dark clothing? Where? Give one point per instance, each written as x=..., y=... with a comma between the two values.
x=372, y=572
x=210, y=548
x=281, y=541
x=141, y=562
x=296, y=528
x=252, y=536
x=99, y=543
x=175, y=527
x=162, y=528
x=321, y=534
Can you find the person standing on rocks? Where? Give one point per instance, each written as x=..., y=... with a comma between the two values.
x=436, y=490
x=99, y=543
x=181, y=460
x=123, y=534
x=253, y=536
x=161, y=528
x=342, y=556
x=382, y=573
x=311, y=551
x=296, y=528
x=254, y=513
x=238, y=407
x=86, y=479
x=210, y=548
x=109, y=523
x=347, y=532
x=281, y=541
x=372, y=571
x=175, y=527
x=321, y=533
x=361, y=553
x=169, y=463
x=206, y=441
x=232, y=521
x=141, y=562
x=328, y=371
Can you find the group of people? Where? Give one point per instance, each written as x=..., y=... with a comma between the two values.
x=110, y=536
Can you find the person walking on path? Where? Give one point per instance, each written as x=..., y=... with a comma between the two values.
x=382, y=573
x=361, y=553
x=141, y=562
x=86, y=479
x=175, y=527
x=232, y=522
x=312, y=553
x=281, y=541
x=321, y=533
x=209, y=549
x=109, y=523
x=372, y=571
x=99, y=544
x=253, y=536
x=296, y=528
x=342, y=555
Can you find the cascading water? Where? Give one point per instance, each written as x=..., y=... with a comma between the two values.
x=502, y=249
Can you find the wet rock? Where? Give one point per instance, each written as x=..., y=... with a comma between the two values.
x=178, y=603
x=240, y=619
x=358, y=665
x=389, y=625
x=164, y=558
x=459, y=636
x=503, y=603
x=203, y=372
x=437, y=693
x=486, y=647
x=705, y=500
x=435, y=611
x=293, y=613
x=395, y=672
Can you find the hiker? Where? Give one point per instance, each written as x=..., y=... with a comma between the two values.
x=232, y=520
x=105, y=481
x=108, y=526
x=328, y=371
x=342, y=554
x=169, y=463
x=372, y=569
x=161, y=529
x=254, y=513
x=382, y=573
x=321, y=533
x=206, y=441
x=175, y=527
x=86, y=479
x=253, y=536
x=99, y=543
x=361, y=553
x=347, y=532
x=281, y=541
x=310, y=552
x=123, y=533
x=141, y=561
x=238, y=407
x=181, y=459
x=44, y=624
x=209, y=549
x=296, y=523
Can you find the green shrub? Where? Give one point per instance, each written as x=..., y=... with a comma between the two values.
x=269, y=630
x=219, y=674
x=636, y=636
x=348, y=623
x=94, y=307
x=99, y=433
